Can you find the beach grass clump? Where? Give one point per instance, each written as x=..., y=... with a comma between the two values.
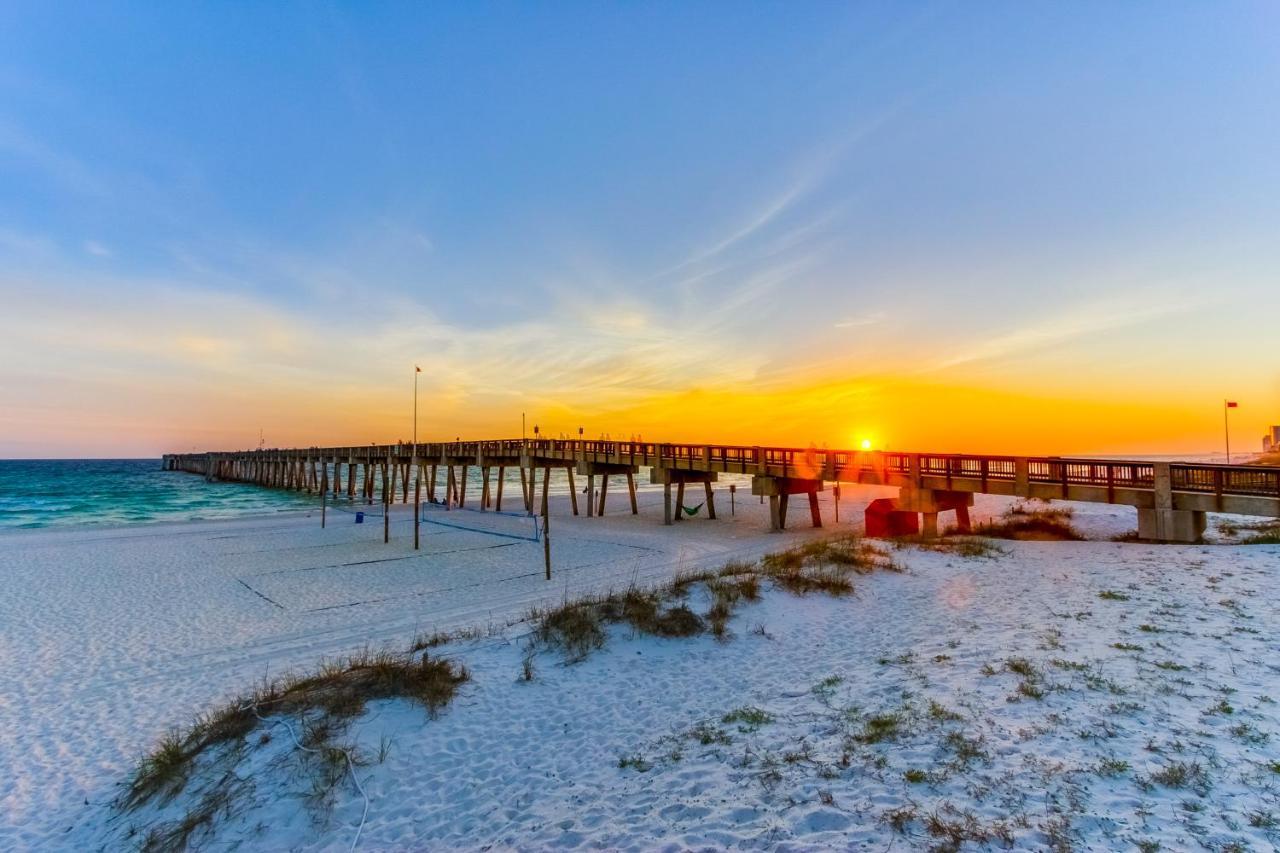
x=341, y=689
x=319, y=704
x=575, y=627
x=826, y=565
x=1028, y=522
x=162, y=773
x=954, y=541
x=578, y=627
x=1265, y=532
x=1181, y=774
x=748, y=718
x=197, y=823
x=879, y=728
x=956, y=829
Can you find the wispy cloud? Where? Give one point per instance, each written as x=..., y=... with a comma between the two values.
x=1076, y=323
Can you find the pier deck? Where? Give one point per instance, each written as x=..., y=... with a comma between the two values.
x=1171, y=497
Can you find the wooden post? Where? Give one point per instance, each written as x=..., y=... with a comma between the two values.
x=546, y=530
x=462, y=494
x=591, y=495
x=711, y=501
x=573, y=490
x=502, y=475
x=680, y=501
x=417, y=509
x=484, y=488
x=405, y=473
x=546, y=484
x=448, y=486
x=814, y=513
x=782, y=510
x=733, y=490
x=835, y=494
x=525, y=490
x=324, y=496
x=631, y=490
x=666, y=503
x=386, y=506
x=604, y=490
x=775, y=522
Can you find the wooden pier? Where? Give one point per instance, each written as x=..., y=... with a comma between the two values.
x=1171, y=498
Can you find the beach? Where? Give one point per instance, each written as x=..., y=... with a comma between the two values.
x=113, y=636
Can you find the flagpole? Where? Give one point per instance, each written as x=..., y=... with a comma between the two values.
x=1226, y=428
x=416, y=371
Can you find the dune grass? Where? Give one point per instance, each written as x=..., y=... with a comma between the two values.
x=579, y=627
x=318, y=707
x=1027, y=521
x=319, y=704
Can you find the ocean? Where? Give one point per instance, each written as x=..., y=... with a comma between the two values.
x=37, y=493
x=71, y=492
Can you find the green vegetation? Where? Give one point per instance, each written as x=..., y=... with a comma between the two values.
x=321, y=705
x=748, y=718
x=1025, y=521
x=954, y=541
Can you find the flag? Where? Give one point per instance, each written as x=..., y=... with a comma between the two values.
x=1231, y=404
x=417, y=369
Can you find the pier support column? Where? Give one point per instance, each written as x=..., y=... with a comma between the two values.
x=605, y=470
x=1163, y=523
x=1171, y=525
x=930, y=502
x=779, y=490
x=679, y=477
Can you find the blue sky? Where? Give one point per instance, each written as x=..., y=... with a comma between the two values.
x=217, y=217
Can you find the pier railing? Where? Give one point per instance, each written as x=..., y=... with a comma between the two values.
x=820, y=463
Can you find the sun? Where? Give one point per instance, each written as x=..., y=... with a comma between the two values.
x=866, y=444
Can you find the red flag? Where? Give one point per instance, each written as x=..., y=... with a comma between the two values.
x=1231, y=404
x=417, y=369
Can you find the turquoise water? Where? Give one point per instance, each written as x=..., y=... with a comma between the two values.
x=67, y=492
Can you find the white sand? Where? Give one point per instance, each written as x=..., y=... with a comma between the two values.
x=110, y=637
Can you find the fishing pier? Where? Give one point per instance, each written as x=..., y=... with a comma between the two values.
x=1171, y=498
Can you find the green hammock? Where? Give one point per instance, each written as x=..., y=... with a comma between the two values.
x=691, y=512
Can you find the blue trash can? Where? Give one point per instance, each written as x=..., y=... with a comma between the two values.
x=359, y=518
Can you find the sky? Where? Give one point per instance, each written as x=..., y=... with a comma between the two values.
x=1043, y=228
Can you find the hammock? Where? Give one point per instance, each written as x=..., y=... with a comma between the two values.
x=691, y=512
